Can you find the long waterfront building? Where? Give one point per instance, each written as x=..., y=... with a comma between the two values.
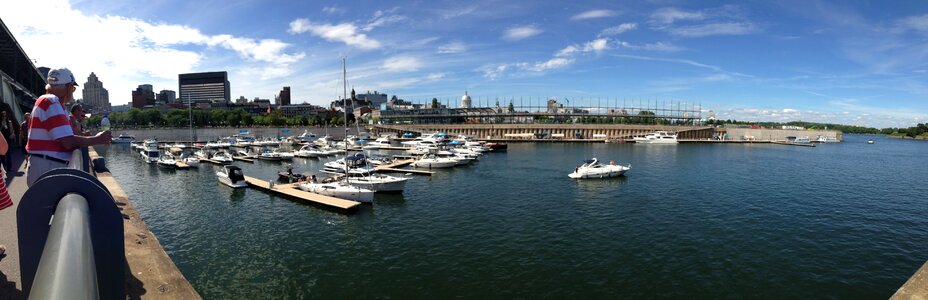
x=209, y=86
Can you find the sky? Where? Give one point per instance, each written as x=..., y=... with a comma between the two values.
x=849, y=62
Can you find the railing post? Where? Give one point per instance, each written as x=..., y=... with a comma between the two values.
x=67, y=269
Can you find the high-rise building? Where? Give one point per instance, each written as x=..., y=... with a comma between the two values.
x=284, y=97
x=166, y=96
x=142, y=96
x=96, y=98
x=208, y=86
x=465, y=100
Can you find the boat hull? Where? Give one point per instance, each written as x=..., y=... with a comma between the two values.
x=227, y=182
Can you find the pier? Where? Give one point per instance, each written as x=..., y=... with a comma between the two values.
x=291, y=190
x=396, y=164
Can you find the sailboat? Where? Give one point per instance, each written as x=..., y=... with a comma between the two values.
x=338, y=188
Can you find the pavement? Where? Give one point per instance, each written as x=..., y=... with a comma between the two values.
x=10, y=278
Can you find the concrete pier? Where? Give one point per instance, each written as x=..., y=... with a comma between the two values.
x=916, y=288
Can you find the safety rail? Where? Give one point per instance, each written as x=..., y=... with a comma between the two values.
x=71, y=241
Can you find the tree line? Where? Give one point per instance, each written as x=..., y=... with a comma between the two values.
x=918, y=130
x=144, y=118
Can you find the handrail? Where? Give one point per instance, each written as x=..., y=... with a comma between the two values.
x=67, y=269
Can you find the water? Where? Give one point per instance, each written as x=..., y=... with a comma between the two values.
x=845, y=220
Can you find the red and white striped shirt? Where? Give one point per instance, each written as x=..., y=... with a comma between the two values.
x=50, y=122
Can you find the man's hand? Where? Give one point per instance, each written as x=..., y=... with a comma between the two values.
x=103, y=138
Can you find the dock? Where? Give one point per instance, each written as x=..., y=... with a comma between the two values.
x=289, y=189
x=794, y=144
x=400, y=163
x=181, y=165
x=212, y=161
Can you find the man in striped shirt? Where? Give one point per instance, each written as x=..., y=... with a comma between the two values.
x=51, y=139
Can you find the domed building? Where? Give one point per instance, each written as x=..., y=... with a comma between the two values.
x=465, y=101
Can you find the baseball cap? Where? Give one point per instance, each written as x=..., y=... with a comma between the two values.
x=60, y=76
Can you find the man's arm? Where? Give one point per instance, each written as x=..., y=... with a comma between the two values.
x=74, y=141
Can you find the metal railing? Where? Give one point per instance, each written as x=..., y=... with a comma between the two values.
x=71, y=240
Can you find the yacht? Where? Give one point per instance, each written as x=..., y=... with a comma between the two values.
x=339, y=189
x=802, y=140
x=231, y=176
x=306, y=137
x=284, y=155
x=123, y=139
x=309, y=151
x=150, y=152
x=243, y=140
x=432, y=161
x=658, y=137
x=267, y=154
x=222, y=157
x=190, y=160
x=593, y=169
x=167, y=161
x=381, y=142
x=826, y=139
x=380, y=183
x=180, y=146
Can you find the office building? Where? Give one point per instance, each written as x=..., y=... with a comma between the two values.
x=96, y=98
x=209, y=86
x=284, y=97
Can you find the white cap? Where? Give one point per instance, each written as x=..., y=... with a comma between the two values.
x=60, y=76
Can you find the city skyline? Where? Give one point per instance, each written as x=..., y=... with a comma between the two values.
x=861, y=64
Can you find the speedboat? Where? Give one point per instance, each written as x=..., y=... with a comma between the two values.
x=306, y=137
x=869, y=141
x=339, y=189
x=658, y=137
x=432, y=161
x=593, y=169
x=222, y=157
x=231, y=176
x=368, y=179
x=192, y=161
x=269, y=155
x=309, y=151
x=284, y=155
x=123, y=139
x=243, y=140
x=201, y=154
x=167, y=161
x=179, y=146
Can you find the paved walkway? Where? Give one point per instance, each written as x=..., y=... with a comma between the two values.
x=10, y=286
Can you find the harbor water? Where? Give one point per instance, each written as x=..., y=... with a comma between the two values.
x=846, y=220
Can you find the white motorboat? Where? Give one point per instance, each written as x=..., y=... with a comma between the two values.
x=123, y=139
x=339, y=189
x=201, y=154
x=368, y=179
x=267, y=154
x=309, y=151
x=192, y=161
x=285, y=155
x=869, y=141
x=222, y=157
x=179, y=146
x=658, y=137
x=243, y=140
x=232, y=176
x=167, y=161
x=826, y=139
x=593, y=169
x=150, y=152
x=432, y=161
x=306, y=137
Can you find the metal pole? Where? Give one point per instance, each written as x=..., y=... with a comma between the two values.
x=67, y=269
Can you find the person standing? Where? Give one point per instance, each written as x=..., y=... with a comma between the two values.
x=6, y=128
x=51, y=139
x=77, y=119
x=24, y=132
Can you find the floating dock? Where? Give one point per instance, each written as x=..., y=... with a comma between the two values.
x=289, y=189
x=396, y=164
x=212, y=161
x=181, y=165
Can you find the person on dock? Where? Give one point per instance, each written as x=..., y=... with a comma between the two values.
x=77, y=119
x=51, y=138
x=24, y=132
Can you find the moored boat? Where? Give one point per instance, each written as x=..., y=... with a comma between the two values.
x=593, y=169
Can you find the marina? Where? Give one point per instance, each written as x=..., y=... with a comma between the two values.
x=688, y=198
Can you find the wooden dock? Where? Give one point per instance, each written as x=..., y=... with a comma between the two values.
x=181, y=165
x=291, y=190
x=400, y=163
x=211, y=161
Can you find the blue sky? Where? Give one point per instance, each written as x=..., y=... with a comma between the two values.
x=862, y=63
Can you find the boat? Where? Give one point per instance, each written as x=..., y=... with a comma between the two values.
x=432, y=161
x=150, y=152
x=287, y=176
x=192, y=161
x=123, y=139
x=497, y=146
x=267, y=154
x=593, y=169
x=339, y=189
x=180, y=146
x=284, y=155
x=201, y=154
x=869, y=141
x=167, y=161
x=222, y=157
x=309, y=151
x=368, y=178
x=658, y=137
x=826, y=139
x=243, y=139
x=306, y=137
x=381, y=142
x=231, y=176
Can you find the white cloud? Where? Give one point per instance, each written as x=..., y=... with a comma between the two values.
x=554, y=63
x=125, y=52
x=493, y=72
x=521, y=32
x=671, y=14
x=592, y=14
x=405, y=82
x=658, y=46
x=453, y=47
x=457, y=12
x=919, y=23
x=736, y=28
x=402, y=64
x=789, y=111
x=345, y=32
x=597, y=45
x=619, y=29
x=333, y=9
x=382, y=18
